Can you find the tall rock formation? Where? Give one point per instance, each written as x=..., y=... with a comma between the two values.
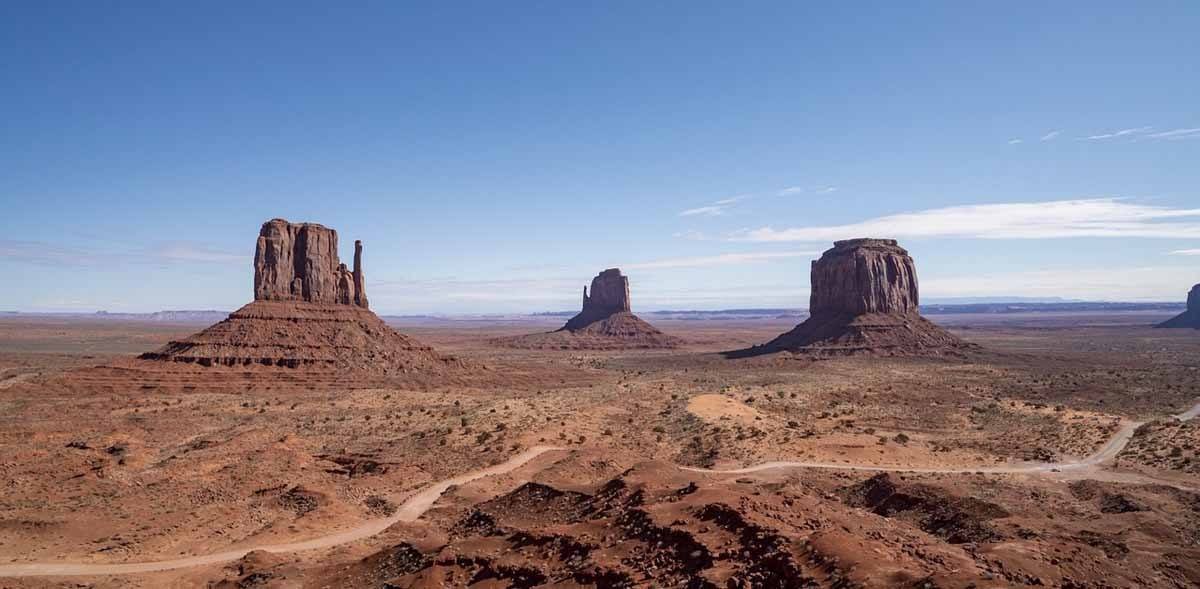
x=606, y=322
x=862, y=276
x=309, y=311
x=1190, y=317
x=864, y=299
x=299, y=262
x=610, y=295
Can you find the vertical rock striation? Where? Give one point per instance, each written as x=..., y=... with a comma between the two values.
x=860, y=276
x=309, y=311
x=299, y=262
x=864, y=300
x=1190, y=317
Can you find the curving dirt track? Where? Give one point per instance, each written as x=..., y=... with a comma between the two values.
x=418, y=504
x=412, y=508
x=1106, y=453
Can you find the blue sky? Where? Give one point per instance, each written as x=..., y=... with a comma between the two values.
x=494, y=156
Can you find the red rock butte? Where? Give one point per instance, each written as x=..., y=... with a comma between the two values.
x=864, y=300
x=309, y=311
x=1191, y=316
x=606, y=322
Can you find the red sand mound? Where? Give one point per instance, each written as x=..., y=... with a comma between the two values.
x=620, y=331
x=299, y=334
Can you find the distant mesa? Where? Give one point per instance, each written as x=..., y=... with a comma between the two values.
x=1190, y=317
x=606, y=322
x=309, y=311
x=864, y=301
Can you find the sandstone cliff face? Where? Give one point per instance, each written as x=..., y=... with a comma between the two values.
x=862, y=276
x=1190, y=317
x=299, y=262
x=310, y=311
x=610, y=295
x=864, y=300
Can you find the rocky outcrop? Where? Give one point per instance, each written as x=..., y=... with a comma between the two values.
x=610, y=295
x=864, y=300
x=1190, y=317
x=606, y=322
x=310, y=311
x=862, y=276
x=299, y=262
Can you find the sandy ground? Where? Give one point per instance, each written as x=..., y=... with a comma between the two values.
x=112, y=471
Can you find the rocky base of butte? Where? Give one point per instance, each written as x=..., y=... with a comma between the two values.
x=310, y=311
x=864, y=301
x=1190, y=317
x=606, y=322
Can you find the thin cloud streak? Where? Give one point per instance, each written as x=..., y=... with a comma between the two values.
x=1121, y=133
x=708, y=211
x=1051, y=136
x=1143, y=283
x=717, y=260
x=50, y=254
x=720, y=207
x=1099, y=217
x=1191, y=252
x=1177, y=134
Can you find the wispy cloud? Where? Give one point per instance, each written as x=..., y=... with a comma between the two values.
x=1121, y=133
x=720, y=207
x=1097, y=217
x=707, y=211
x=1015, y=141
x=717, y=260
x=690, y=234
x=186, y=251
x=1178, y=134
x=1051, y=136
x=1157, y=283
x=52, y=254
x=1191, y=252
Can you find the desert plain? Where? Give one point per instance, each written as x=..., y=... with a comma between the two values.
x=1001, y=466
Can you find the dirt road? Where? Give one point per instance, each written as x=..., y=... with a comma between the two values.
x=412, y=508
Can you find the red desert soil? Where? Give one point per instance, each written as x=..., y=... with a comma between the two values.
x=174, y=460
